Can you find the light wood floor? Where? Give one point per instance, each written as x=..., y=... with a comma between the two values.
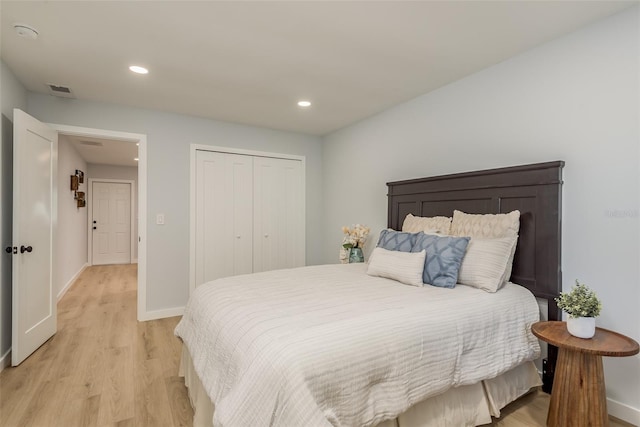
x=103, y=368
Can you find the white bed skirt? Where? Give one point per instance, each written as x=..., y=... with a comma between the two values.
x=471, y=405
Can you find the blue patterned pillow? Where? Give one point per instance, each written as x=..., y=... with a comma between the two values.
x=444, y=256
x=392, y=240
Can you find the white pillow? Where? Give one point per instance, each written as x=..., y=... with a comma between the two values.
x=405, y=267
x=435, y=224
x=488, y=226
x=484, y=264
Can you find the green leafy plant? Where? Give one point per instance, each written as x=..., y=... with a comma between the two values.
x=580, y=302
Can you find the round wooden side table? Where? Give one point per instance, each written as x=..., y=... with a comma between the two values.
x=578, y=396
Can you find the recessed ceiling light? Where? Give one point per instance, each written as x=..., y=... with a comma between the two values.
x=136, y=159
x=138, y=69
x=304, y=104
x=26, y=31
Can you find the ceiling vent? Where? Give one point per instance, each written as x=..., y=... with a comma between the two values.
x=91, y=143
x=61, y=91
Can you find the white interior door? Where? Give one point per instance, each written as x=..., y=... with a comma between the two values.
x=34, y=205
x=278, y=221
x=224, y=215
x=111, y=223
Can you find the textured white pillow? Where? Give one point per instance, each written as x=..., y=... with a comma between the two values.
x=484, y=264
x=488, y=226
x=435, y=224
x=405, y=267
x=485, y=225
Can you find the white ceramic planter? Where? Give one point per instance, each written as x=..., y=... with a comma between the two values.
x=581, y=327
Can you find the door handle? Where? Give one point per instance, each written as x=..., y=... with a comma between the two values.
x=24, y=249
x=11, y=250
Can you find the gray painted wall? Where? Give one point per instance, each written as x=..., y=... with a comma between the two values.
x=71, y=244
x=574, y=99
x=129, y=173
x=168, y=139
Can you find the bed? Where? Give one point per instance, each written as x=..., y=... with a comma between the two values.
x=329, y=345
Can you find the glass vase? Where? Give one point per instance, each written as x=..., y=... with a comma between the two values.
x=356, y=255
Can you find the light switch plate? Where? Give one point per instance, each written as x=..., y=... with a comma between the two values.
x=160, y=219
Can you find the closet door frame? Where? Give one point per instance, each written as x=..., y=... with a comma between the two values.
x=193, y=149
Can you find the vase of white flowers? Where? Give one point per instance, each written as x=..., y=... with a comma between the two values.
x=583, y=306
x=352, y=243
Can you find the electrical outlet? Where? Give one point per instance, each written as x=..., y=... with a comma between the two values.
x=160, y=219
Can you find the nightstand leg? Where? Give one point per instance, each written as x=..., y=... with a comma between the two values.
x=578, y=397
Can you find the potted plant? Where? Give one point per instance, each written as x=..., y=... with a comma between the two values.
x=583, y=306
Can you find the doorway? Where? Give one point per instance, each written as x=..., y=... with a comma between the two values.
x=141, y=141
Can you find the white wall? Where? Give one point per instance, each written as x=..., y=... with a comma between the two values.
x=574, y=99
x=168, y=139
x=129, y=173
x=12, y=95
x=71, y=244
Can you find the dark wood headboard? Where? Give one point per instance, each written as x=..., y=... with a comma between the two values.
x=535, y=190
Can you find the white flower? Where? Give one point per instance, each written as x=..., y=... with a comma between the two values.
x=355, y=237
x=344, y=256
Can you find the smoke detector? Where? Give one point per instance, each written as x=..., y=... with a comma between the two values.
x=59, y=90
x=26, y=31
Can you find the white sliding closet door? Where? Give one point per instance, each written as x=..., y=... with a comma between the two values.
x=224, y=215
x=278, y=220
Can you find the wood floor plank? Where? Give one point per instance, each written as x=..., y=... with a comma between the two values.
x=116, y=402
x=80, y=412
x=44, y=406
x=67, y=361
x=181, y=411
x=145, y=347
x=89, y=413
x=152, y=400
x=18, y=388
x=91, y=373
x=104, y=368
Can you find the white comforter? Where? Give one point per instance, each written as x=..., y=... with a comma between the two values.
x=329, y=345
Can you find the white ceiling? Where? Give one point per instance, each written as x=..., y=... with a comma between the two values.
x=105, y=151
x=250, y=62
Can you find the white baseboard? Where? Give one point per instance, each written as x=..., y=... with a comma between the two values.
x=5, y=360
x=161, y=314
x=623, y=411
x=71, y=281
